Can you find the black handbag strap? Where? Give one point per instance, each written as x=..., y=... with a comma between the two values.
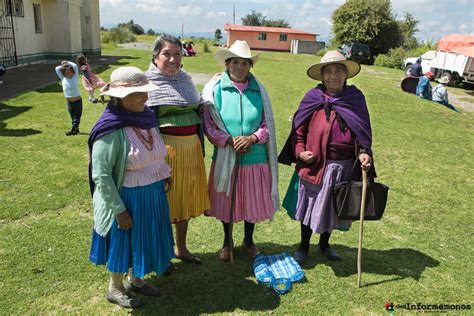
x=356, y=172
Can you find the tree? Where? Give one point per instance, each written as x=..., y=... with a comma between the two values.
x=218, y=35
x=408, y=28
x=150, y=32
x=277, y=23
x=371, y=22
x=132, y=27
x=258, y=19
x=253, y=19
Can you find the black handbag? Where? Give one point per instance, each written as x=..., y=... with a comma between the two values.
x=347, y=197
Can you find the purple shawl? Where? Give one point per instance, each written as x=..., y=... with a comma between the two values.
x=349, y=104
x=112, y=119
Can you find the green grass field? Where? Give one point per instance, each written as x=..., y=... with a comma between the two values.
x=420, y=252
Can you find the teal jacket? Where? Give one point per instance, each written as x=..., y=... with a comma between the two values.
x=242, y=114
x=109, y=160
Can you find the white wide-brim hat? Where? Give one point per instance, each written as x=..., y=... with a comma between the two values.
x=127, y=80
x=238, y=49
x=333, y=57
x=443, y=79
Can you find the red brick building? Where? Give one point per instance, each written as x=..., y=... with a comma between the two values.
x=266, y=38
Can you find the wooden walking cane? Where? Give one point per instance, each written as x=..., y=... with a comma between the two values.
x=232, y=206
x=361, y=227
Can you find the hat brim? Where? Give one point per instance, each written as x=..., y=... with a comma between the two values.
x=353, y=68
x=442, y=81
x=122, y=92
x=223, y=54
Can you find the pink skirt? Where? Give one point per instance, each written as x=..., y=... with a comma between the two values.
x=253, y=202
x=94, y=83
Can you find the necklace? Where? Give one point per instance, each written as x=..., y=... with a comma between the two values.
x=148, y=143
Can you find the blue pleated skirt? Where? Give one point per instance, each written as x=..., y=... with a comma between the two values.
x=148, y=246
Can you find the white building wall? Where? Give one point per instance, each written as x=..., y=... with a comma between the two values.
x=27, y=41
x=90, y=23
x=68, y=28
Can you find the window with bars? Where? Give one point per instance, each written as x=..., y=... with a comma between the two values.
x=37, y=15
x=14, y=7
x=283, y=37
x=262, y=36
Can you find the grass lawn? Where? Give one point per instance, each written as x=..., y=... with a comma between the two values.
x=420, y=252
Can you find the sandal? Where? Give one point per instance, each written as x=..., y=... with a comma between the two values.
x=191, y=259
x=251, y=251
x=224, y=254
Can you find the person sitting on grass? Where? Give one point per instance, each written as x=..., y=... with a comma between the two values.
x=68, y=72
x=423, y=89
x=129, y=177
x=416, y=69
x=190, y=50
x=440, y=94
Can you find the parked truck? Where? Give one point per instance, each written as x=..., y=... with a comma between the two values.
x=455, y=56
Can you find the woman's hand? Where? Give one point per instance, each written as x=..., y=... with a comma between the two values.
x=124, y=220
x=307, y=157
x=168, y=183
x=243, y=143
x=365, y=161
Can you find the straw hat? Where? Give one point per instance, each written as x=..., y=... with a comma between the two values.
x=333, y=57
x=127, y=80
x=239, y=49
x=443, y=79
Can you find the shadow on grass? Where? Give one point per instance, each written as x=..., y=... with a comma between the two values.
x=213, y=287
x=54, y=87
x=217, y=287
x=399, y=262
x=7, y=112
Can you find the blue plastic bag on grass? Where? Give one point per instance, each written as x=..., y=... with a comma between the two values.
x=278, y=271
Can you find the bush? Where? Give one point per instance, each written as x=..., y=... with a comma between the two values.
x=394, y=59
x=322, y=52
x=205, y=48
x=121, y=35
x=104, y=36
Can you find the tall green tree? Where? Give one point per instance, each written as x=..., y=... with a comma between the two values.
x=367, y=21
x=218, y=35
x=408, y=28
x=255, y=18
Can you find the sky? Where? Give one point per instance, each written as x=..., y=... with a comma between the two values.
x=437, y=17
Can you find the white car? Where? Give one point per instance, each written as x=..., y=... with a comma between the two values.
x=426, y=59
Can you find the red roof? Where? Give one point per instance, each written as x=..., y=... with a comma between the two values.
x=235, y=27
x=456, y=43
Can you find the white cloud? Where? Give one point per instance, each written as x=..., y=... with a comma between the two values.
x=307, y=6
x=113, y=3
x=189, y=10
x=215, y=15
x=153, y=9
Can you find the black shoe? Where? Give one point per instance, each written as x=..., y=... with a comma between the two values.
x=76, y=131
x=71, y=132
x=300, y=256
x=145, y=288
x=330, y=253
x=123, y=299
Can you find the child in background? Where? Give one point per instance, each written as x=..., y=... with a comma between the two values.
x=68, y=73
x=90, y=80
